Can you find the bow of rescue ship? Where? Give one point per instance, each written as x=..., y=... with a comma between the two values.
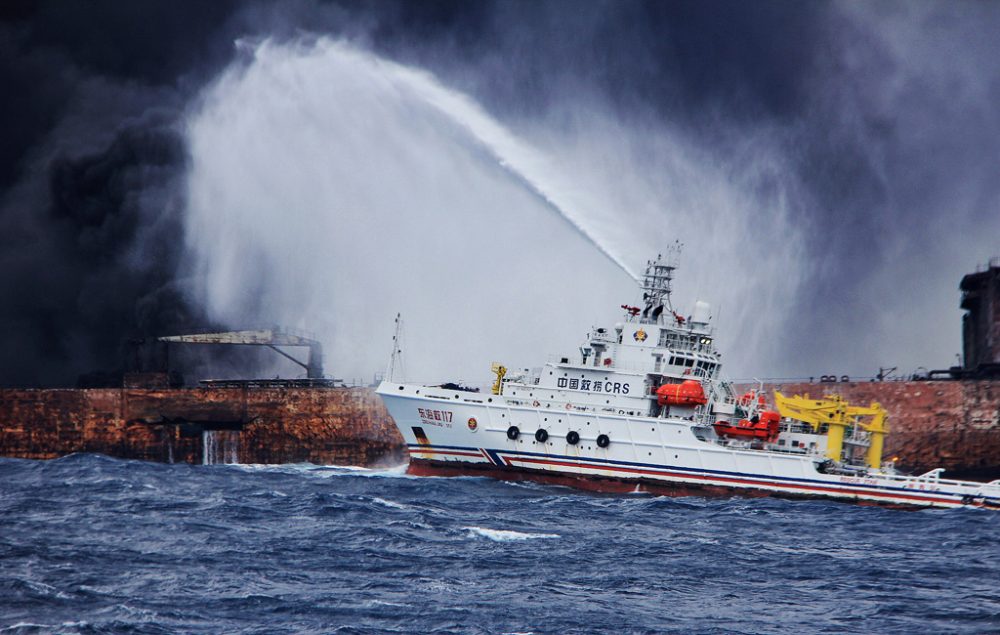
x=642, y=406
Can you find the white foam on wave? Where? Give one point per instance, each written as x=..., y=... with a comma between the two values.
x=388, y=503
x=505, y=535
x=326, y=471
x=378, y=603
x=31, y=625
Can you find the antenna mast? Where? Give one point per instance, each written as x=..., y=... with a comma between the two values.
x=656, y=283
x=397, y=351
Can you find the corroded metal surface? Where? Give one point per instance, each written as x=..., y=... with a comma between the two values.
x=333, y=426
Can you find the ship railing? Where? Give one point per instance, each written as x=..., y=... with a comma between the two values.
x=647, y=368
x=934, y=478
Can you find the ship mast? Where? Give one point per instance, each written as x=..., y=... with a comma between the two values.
x=656, y=284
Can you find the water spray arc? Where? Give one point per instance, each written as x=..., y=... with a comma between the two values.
x=330, y=188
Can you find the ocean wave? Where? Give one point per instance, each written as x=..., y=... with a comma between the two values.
x=217, y=550
x=391, y=504
x=505, y=535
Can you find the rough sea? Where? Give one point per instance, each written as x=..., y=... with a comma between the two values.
x=90, y=544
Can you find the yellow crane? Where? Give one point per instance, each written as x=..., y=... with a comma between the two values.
x=834, y=412
x=499, y=370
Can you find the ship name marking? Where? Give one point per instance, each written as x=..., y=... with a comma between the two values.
x=435, y=417
x=588, y=385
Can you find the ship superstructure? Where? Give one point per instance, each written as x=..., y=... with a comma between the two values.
x=642, y=405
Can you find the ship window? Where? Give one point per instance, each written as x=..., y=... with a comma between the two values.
x=781, y=442
x=795, y=443
x=689, y=362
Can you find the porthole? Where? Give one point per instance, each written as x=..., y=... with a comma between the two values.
x=490, y=400
x=400, y=387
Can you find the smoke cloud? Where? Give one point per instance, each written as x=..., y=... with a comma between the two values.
x=830, y=168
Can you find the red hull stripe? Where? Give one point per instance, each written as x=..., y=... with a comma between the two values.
x=806, y=485
x=431, y=450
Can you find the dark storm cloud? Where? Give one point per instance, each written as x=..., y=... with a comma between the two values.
x=887, y=110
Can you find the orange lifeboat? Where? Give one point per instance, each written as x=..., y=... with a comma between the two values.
x=687, y=393
x=766, y=427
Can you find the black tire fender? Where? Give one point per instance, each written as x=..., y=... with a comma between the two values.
x=572, y=437
x=603, y=440
x=513, y=433
x=541, y=435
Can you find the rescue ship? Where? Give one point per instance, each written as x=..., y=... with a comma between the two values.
x=643, y=407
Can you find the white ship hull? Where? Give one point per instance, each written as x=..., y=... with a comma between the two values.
x=661, y=455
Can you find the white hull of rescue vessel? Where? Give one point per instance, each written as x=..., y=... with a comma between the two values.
x=643, y=408
x=661, y=456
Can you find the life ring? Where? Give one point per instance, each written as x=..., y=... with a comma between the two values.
x=535, y=403
x=572, y=437
x=513, y=433
x=541, y=435
x=603, y=440
x=569, y=406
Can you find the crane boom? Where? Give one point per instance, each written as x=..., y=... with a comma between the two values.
x=834, y=412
